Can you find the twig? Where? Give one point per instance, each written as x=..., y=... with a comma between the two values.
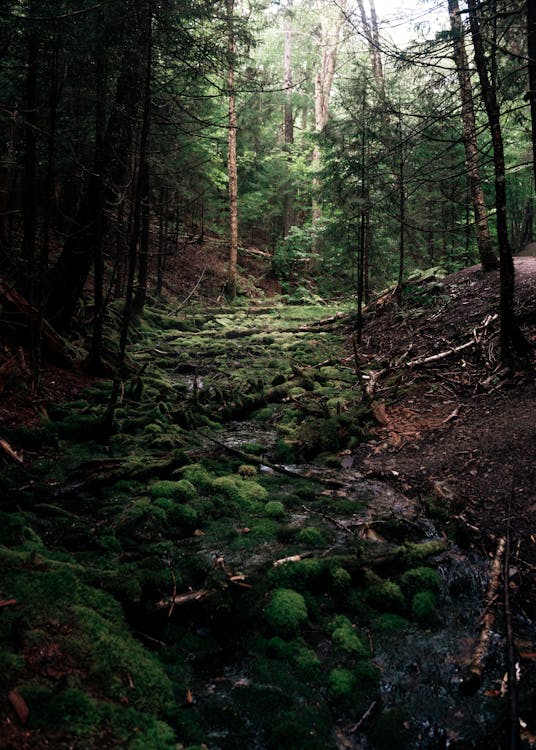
x=365, y=716
x=199, y=280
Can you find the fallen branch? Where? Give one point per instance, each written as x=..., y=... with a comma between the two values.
x=196, y=286
x=473, y=680
x=178, y=599
x=250, y=458
x=478, y=331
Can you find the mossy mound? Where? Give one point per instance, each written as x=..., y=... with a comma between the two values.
x=424, y=609
x=384, y=595
x=182, y=490
x=285, y=612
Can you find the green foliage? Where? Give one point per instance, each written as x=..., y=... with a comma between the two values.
x=293, y=254
x=285, y=612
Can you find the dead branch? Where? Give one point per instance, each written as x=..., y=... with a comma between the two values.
x=196, y=286
x=478, y=333
x=473, y=680
x=178, y=599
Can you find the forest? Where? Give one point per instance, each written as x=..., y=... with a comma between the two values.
x=267, y=398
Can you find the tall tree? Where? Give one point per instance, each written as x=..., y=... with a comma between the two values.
x=511, y=337
x=531, y=49
x=231, y=155
x=372, y=35
x=288, y=123
x=104, y=182
x=485, y=248
x=330, y=22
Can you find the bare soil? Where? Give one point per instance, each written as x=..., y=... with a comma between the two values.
x=459, y=432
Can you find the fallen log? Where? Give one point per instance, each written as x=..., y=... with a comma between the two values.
x=473, y=679
x=250, y=458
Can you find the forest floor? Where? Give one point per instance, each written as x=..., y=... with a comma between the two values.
x=459, y=428
x=436, y=422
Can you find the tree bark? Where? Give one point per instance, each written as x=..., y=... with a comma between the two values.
x=288, y=124
x=29, y=220
x=531, y=49
x=231, y=161
x=488, y=258
x=372, y=35
x=144, y=186
x=512, y=340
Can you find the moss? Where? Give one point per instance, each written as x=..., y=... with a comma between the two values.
x=247, y=471
x=390, y=624
x=285, y=612
x=311, y=537
x=345, y=638
x=198, y=475
x=424, y=609
x=341, y=581
x=342, y=684
x=12, y=529
x=246, y=493
x=384, y=595
x=414, y=553
x=185, y=515
x=182, y=490
x=123, y=669
x=158, y=736
x=417, y=579
x=303, y=575
x=285, y=452
x=274, y=509
x=71, y=709
x=256, y=449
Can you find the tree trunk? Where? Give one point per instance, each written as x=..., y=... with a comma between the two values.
x=488, y=258
x=29, y=213
x=372, y=35
x=531, y=48
x=72, y=269
x=288, y=125
x=330, y=31
x=145, y=180
x=231, y=161
x=512, y=339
